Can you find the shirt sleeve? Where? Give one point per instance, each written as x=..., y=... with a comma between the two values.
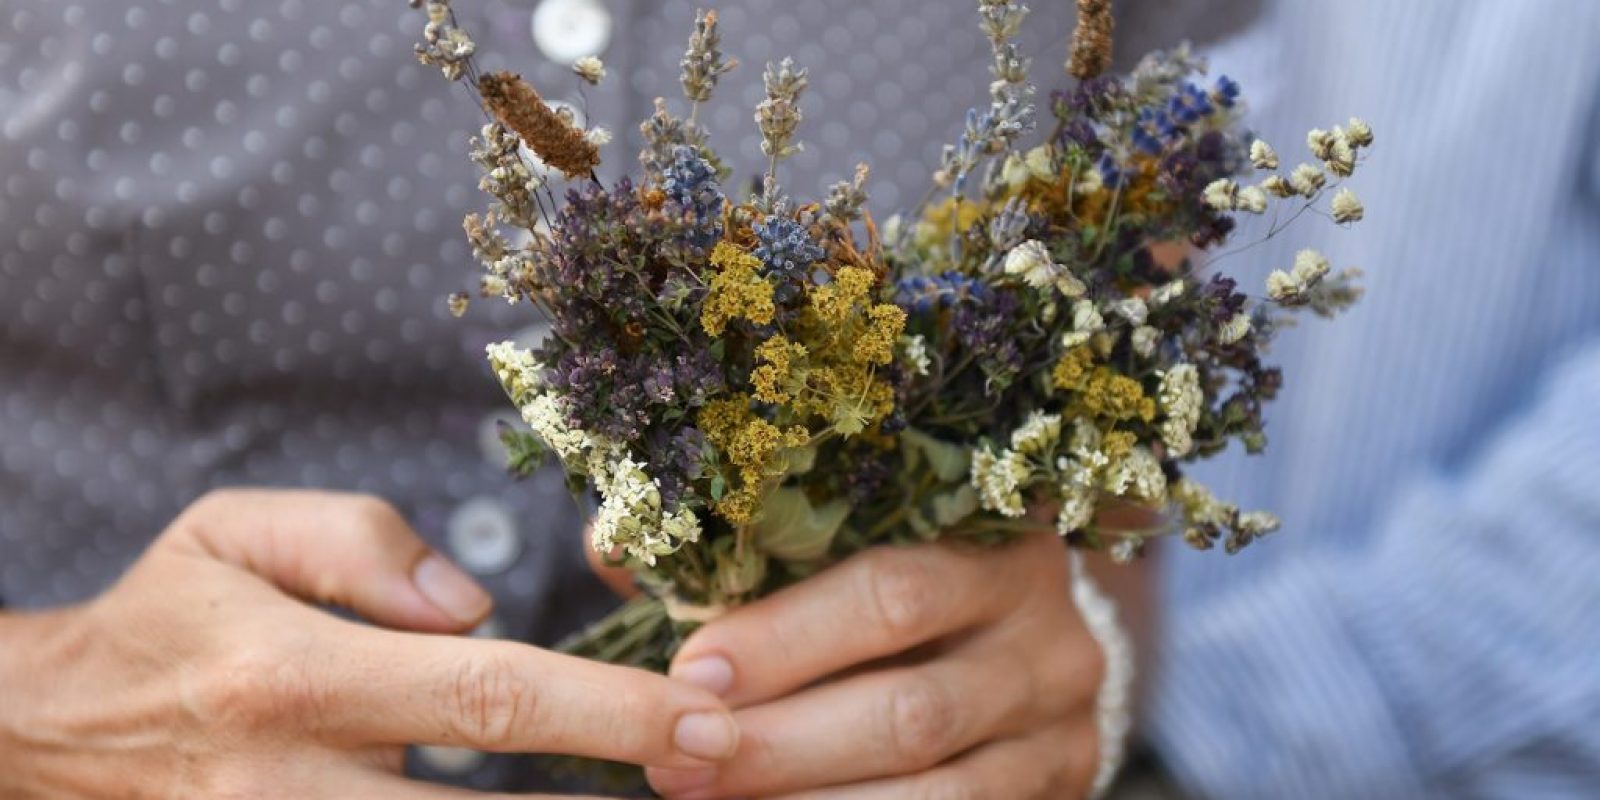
x=1457, y=656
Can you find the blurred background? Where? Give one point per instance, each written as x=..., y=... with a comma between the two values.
x=228, y=229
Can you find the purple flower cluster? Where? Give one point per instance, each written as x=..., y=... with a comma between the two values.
x=787, y=252
x=691, y=186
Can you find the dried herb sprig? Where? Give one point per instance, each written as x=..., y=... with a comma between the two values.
x=703, y=63
x=518, y=106
x=1091, y=41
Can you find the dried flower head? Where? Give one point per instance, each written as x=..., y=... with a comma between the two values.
x=1346, y=207
x=444, y=44
x=703, y=63
x=1262, y=156
x=551, y=136
x=846, y=198
x=1091, y=40
x=779, y=114
x=592, y=70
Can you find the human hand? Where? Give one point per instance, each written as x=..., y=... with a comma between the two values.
x=930, y=671
x=200, y=675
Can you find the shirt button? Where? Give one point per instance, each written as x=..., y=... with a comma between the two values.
x=567, y=30
x=451, y=760
x=482, y=536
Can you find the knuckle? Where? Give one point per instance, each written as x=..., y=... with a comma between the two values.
x=902, y=592
x=258, y=685
x=491, y=700
x=373, y=513
x=922, y=721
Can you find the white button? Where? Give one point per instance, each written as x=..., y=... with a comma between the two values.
x=483, y=537
x=567, y=30
x=451, y=760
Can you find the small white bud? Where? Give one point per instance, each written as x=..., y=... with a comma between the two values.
x=1262, y=155
x=1253, y=200
x=1359, y=133
x=592, y=70
x=1347, y=207
x=1307, y=180
x=1219, y=194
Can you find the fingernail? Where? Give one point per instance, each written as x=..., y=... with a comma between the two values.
x=708, y=735
x=453, y=591
x=711, y=673
x=678, y=782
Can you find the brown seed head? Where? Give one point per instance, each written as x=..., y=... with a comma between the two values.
x=1091, y=41
x=519, y=107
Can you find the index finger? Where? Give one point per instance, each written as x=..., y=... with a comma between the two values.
x=876, y=604
x=402, y=688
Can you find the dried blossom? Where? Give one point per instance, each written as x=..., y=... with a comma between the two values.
x=518, y=106
x=779, y=114
x=703, y=64
x=1091, y=40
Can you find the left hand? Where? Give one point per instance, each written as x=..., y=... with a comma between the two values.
x=927, y=671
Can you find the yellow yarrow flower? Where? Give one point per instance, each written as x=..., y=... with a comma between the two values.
x=876, y=342
x=1112, y=395
x=1071, y=373
x=782, y=376
x=737, y=290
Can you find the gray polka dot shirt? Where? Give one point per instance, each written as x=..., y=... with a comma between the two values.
x=227, y=229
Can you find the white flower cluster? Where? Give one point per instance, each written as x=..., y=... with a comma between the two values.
x=517, y=370
x=1236, y=328
x=578, y=450
x=1205, y=518
x=1225, y=194
x=1082, y=473
x=1086, y=322
x=1182, y=401
x=630, y=515
x=1310, y=267
x=999, y=478
x=1337, y=149
x=1138, y=475
x=1031, y=262
x=916, y=352
x=1038, y=433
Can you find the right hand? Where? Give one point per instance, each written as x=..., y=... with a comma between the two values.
x=201, y=675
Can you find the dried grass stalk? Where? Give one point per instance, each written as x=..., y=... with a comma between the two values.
x=518, y=106
x=1091, y=41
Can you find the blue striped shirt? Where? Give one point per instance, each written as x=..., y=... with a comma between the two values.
x=1428, y=622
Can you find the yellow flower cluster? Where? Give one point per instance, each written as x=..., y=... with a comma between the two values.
x=1114, y=396
x=1071, y=373
x=782, y=374
x=947, y=217
x=737, y=290
x=752, y=446
x=1103, y=395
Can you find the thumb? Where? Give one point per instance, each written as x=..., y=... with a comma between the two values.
x=349, y=550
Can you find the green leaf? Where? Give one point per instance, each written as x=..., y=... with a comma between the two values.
x=719, y=487
x=950, y=462
x=798, y=460
x=525, y=454
x=792, y=529
x=952, y=507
